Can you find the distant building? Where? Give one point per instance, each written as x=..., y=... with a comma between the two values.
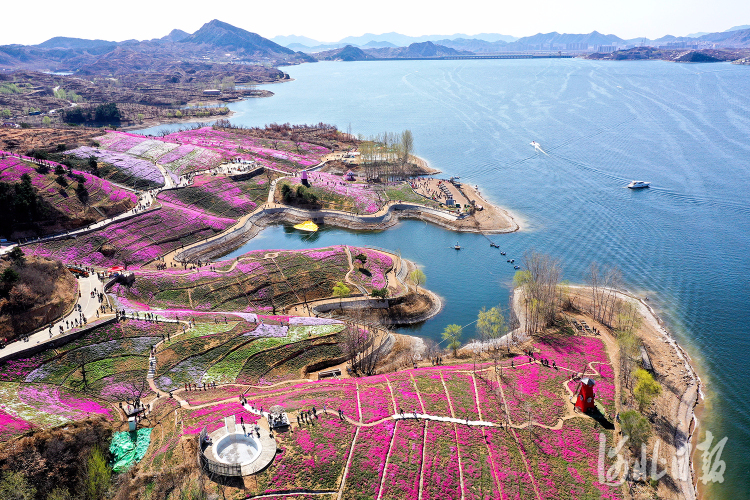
x=212, y=92
x=604, y=49
x=9, y=125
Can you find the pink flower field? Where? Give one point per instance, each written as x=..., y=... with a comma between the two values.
x=135, y=241
x=110, y=198
x=205, y=148
x=389, y=459
x=335, y=192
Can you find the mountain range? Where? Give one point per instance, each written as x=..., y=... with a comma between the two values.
x=494, y=42
x=415, y=50
x=215, y=42
x=218, y=42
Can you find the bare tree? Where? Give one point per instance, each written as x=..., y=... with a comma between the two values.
x=364, y=346
x=540, y=283
x=604, y=284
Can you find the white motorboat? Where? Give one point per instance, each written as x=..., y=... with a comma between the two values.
x=638, y=184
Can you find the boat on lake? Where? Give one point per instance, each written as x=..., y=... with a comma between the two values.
x=638, y=184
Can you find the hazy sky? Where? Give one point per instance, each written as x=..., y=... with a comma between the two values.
x=39, y=20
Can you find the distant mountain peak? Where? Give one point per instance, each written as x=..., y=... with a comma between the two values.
x=226, y=36
x=175, y=36
x=74, y=43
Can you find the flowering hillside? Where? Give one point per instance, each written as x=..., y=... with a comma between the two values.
x=63, y=205
x=222, y=196
x=205, y=148
x=135, y=241
x=255, y=282
x=471, y=437
x=128, y=170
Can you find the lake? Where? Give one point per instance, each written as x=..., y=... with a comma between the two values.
x=683, y=243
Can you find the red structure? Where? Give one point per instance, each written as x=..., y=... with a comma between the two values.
x=585, y=398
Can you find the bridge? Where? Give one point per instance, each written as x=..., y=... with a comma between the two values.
x=477, y=56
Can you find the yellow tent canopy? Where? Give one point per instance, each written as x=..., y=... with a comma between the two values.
x=307, y=226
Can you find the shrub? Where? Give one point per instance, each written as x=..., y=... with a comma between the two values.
x=636, y=427
x=98, y=476
x=14, y=486
x=646, y=389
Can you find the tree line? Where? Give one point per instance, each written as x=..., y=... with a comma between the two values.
x=386, y=155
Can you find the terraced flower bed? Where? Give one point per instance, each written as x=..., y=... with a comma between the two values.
x=441, y=470
x=405, y=461
x=312, y=458
x=128, y=170
x=369, y=456
x=249, y=286
x=136, y=241
x=535, y=391
x=221, y=196
x=190, y=151
x=376, y=401
x=277, y=154
x=44, y=406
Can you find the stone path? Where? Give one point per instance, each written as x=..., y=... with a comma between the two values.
x=88, y=307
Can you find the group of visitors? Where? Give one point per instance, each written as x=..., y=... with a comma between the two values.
x=200, y=387
x=441, y=193
x=306, y=416
x=543, y=361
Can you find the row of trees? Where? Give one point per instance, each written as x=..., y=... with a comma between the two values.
x=385, y=156
x=107, y=113
x=543, y=294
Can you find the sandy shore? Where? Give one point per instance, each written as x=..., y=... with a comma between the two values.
x=488, y=218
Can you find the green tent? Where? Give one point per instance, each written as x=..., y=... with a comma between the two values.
x=129, y=448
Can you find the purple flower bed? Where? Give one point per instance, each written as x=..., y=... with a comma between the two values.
x=441, y=476
x=219, y=195
x=11, y=425
x=50, y=399
x=376, y=400
x=369, y=455
x=405, y=461
x=133, y=167
x=229, y=145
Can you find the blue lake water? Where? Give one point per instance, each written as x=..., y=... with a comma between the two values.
x=684, y=242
